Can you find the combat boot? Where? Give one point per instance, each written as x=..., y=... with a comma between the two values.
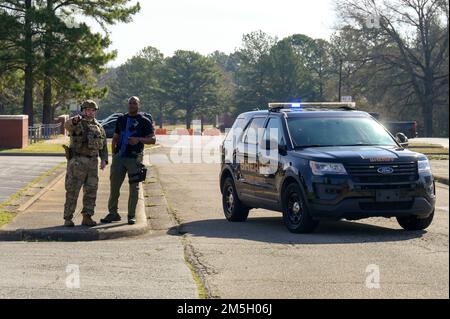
x=87, y=221
x=69, y=224
x=110, y=218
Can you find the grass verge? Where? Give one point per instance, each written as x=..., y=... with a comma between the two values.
x=40, y=147
x=438, y=157
x=434, y=152
x=202, y=294
x=6, y=217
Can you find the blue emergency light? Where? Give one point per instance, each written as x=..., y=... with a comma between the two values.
x=297, y=106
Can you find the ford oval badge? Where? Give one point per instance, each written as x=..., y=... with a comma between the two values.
x=385, y=170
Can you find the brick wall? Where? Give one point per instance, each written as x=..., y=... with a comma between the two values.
x=13, y=131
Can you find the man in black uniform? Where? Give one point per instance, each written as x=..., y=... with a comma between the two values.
x=132, y=132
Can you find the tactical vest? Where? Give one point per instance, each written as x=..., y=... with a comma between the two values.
x=87, y=138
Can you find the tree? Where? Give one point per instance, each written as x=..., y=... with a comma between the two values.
x=286, y=74
x=413, y=38
x=315, y=56
x=192, y=82
x=45, y=42
x=10, y=92
x=140, y=76
x=17, y=38
x=63, y=41
x=252, y=73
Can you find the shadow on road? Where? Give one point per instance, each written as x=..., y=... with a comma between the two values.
x=272, y=230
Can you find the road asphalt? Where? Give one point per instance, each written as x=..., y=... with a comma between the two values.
x=255, y=259
x=261, y=259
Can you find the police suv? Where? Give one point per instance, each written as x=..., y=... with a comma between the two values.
x=314, y=161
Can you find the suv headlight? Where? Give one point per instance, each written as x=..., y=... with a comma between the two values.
x=424, y=166
x=319, y=168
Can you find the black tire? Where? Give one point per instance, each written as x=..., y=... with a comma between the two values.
x=233, y=208
x=413, y=223
x=295, y=211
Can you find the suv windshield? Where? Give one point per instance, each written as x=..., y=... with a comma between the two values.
x=337, y=131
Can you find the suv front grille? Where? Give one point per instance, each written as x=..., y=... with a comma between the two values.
x=368, y=172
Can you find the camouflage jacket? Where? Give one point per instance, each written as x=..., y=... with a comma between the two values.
x=88, y=138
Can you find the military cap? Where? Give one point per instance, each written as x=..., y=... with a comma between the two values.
x=89, y=104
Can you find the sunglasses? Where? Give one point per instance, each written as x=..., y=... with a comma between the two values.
x=132, y=103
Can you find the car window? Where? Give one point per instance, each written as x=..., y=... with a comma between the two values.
x=236, y=131
x=254, y=131
x=338, y=131
x=274, y=131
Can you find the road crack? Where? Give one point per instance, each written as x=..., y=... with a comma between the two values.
x=192, y=256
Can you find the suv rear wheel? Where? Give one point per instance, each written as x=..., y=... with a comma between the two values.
x=295, y=212
x=233, y=208
x=414, y=223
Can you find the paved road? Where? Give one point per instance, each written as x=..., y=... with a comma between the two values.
x=254, y=259
x=261, y=259
x=148, y=267
x=17, y=172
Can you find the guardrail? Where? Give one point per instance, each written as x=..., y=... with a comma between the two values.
x=38, y=133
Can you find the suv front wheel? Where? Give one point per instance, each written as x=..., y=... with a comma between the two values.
x=233, y=208
x=415, y=223
x=295, y=212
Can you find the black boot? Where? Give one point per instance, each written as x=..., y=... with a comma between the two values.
x=110, y=218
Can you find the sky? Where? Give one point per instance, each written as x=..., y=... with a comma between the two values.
x=208, y=25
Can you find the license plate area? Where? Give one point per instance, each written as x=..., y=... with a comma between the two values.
x=389, y=196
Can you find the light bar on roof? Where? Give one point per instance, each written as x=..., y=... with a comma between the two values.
x=297, y=105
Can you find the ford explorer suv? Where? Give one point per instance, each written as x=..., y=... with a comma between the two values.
x=315, y=161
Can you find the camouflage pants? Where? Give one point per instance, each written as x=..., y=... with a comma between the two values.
x=81, y=172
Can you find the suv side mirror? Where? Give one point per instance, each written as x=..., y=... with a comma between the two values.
x=273, y=145
x=402, y=139
x=282, y=149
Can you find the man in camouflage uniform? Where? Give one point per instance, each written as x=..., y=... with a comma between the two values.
x=87, y=142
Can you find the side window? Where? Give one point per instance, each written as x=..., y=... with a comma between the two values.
x=274, y=131
x=254, y=131
x=236, y=130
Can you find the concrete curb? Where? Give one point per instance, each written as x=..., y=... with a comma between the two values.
x=113, y=231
